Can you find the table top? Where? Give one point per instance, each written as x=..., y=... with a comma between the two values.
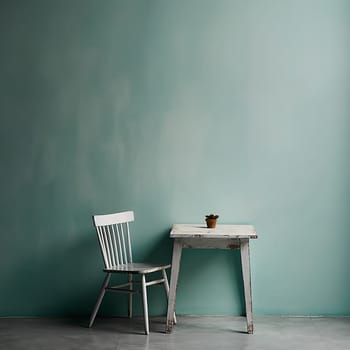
x=220, y=231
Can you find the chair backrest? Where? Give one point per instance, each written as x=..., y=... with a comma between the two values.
x=114, y=237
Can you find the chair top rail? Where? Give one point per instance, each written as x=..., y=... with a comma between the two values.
x=110, y=219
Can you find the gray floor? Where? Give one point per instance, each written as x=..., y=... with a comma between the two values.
x=191, y=332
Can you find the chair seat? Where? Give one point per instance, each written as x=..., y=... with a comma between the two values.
x=137, y=268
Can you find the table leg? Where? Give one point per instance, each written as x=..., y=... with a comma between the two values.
x=175, y=268
x=245, y=259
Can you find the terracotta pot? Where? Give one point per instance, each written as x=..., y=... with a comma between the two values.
x=211, y=223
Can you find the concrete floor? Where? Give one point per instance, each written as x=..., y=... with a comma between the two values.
x=191, y=332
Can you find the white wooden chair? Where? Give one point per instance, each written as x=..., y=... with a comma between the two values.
x=115, y=243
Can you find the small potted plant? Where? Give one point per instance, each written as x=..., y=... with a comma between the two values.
x=211, y=220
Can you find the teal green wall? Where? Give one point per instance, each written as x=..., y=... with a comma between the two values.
x=175, y=109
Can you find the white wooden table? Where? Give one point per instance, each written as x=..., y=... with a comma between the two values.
x=222, y=237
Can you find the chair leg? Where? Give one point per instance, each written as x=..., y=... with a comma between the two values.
x=130, y=296
x=145, y=304
x=99, y=299
x=166, y=287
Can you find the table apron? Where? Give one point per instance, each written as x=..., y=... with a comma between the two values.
x=211, y=243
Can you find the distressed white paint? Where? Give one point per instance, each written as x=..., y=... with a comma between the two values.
x=177, y=251
x=221, y=231
x=222, y=237
x=245, y=259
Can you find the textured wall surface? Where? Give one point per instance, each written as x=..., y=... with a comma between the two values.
x=175, y=109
